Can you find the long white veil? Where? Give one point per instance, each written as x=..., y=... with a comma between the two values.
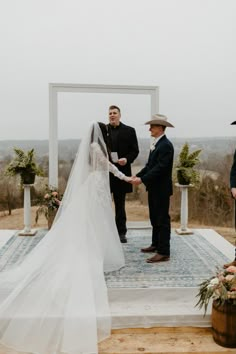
x=56, y=300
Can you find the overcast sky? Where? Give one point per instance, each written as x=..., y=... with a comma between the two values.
x=186, y=47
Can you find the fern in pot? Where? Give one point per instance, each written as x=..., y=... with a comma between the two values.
x=185, y=166
x=24, y=164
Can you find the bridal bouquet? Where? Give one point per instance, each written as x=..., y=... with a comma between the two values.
x=221, y=288
x=49, y=203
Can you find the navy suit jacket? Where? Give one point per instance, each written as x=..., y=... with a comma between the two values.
x=157, y=173
x=233, y=173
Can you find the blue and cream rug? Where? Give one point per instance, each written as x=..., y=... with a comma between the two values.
x=17, y=247
x=193, y=259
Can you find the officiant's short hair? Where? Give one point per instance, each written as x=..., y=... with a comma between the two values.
x=114, y=107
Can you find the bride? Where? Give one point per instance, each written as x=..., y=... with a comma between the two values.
x=56, y=300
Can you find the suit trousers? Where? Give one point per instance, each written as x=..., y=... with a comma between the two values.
x=119, y=201
x=160, y=221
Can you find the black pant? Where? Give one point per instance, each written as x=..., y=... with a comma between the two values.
x=160, y=220
x=119, y=201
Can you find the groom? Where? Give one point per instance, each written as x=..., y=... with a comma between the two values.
x=157, y=177
x=233, y=194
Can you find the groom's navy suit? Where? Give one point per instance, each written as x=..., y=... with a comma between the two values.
x=233, y=185
x=157, y=177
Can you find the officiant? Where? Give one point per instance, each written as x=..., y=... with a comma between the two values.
x=123, y=145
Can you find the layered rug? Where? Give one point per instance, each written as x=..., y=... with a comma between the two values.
x=146, y=295
x=193, y=259
x=17, y=247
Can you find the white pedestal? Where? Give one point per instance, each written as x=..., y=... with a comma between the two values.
x=27, y=213
x=184, y=230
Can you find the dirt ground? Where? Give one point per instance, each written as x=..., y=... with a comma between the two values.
x=135, y=212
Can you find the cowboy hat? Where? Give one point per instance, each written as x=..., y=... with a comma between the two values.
x=159, y=119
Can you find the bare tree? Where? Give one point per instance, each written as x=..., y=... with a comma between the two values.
x=10, y=193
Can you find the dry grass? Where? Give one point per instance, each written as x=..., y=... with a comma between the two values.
x=16, y=220
x=135, y=212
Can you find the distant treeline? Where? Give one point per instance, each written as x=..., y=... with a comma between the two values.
x=210, y=202
x=211, y=147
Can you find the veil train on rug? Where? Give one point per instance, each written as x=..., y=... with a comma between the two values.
x=56, y=300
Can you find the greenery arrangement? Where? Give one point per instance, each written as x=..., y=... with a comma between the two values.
x=23, y=164
x=186, y=173
x=221, y=288
x=49, y=203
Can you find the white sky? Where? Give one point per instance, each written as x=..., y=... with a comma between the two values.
x=186, y=47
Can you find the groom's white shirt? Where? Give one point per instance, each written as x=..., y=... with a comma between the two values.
x=154, y=142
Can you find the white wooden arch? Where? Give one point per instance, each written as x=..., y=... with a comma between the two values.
x=54, y=89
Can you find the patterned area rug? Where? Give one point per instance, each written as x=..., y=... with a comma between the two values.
x=193, y=259
x=17, y=247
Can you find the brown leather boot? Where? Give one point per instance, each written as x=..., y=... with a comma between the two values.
x=149, y=249
x=158, y=258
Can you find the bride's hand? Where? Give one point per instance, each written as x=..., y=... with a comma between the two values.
x=127, y=179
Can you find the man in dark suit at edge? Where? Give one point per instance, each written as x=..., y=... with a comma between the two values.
x=233, y=193
x=157, y=177
x=123, y=146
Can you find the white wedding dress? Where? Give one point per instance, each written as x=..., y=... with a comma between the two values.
x=56, y=300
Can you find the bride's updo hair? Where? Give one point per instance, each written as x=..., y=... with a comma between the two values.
x=103, y=128
x=101, y=140
x=105, y=135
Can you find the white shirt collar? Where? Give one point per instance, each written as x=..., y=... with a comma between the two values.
x=153, y=144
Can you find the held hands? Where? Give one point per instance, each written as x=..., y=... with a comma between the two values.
x=133, y=180
x=136, y=181
x=127, y=179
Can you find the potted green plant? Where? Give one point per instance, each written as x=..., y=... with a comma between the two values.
x=48, y=205
x=25, y=165
x=221, y=288
x=185, y=166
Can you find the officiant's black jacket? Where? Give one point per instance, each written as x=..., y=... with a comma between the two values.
x=126, y=146
x=157, y=174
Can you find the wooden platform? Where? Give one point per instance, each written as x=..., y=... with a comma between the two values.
x=160, y=340
x=171, y=340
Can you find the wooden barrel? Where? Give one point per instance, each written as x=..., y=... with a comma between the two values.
x=224, y=324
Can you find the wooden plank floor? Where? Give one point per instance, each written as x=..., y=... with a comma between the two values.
x=164, y=340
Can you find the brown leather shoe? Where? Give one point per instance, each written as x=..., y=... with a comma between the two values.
x=158, y=258
x=148, y=249
x=230, y=264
